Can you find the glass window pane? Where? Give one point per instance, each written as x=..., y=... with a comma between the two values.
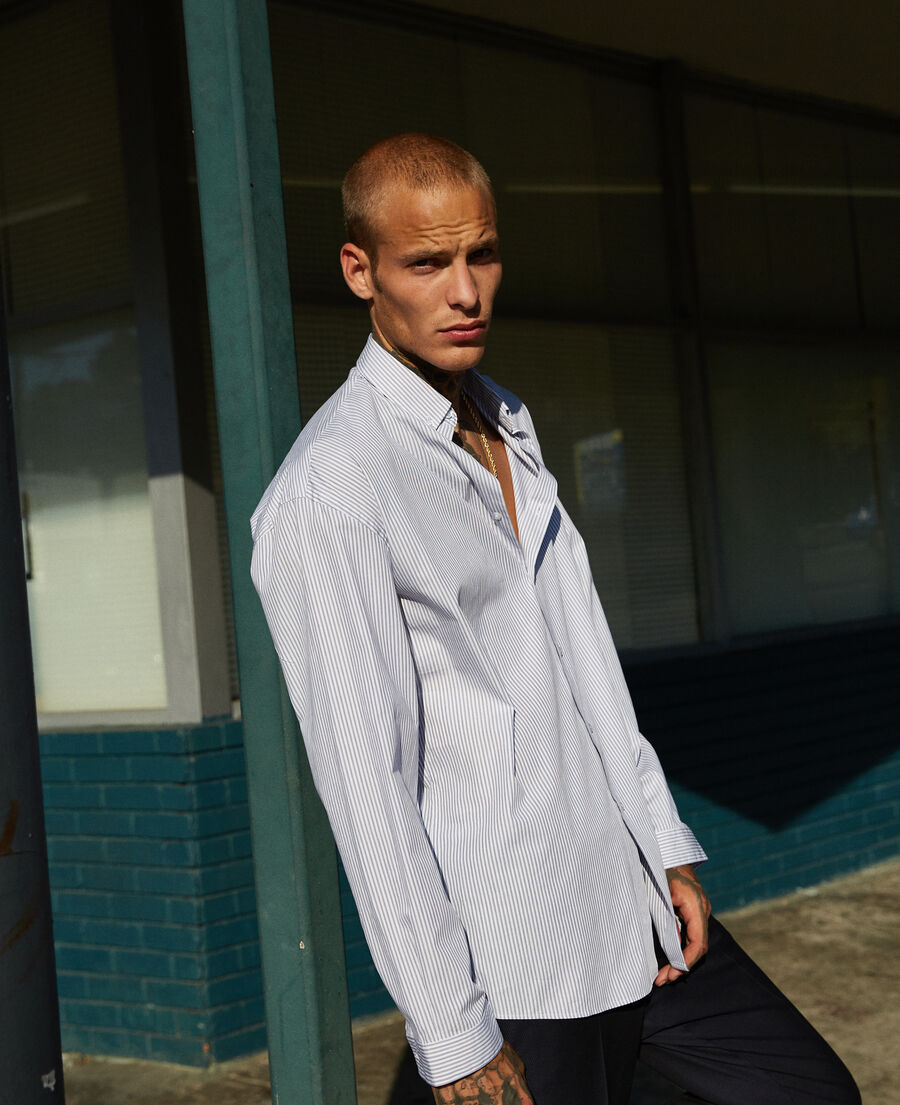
x=62, y=198
x=92, y=591
x=605, y=405
x=772, y=215
x=806, y=195
x=875, y=172
x=807, y=447
x=581, y=214
x=729, y=212
x=328, y=340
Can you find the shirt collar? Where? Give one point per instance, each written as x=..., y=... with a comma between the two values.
x=402, y=386
x=419, y=399
x=491, y=399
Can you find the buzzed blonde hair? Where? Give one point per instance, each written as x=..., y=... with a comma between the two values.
x=420, y=162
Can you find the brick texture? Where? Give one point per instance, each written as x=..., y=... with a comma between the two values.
x=152, y=884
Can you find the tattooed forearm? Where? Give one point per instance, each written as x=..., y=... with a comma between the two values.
x=683, y=882
x=692, y=906
x=501, y=1082
x=685, y=876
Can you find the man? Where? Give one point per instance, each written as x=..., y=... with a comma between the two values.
x=513, y=848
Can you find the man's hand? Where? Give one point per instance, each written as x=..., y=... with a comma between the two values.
x=501, y=1082
x=693, y=908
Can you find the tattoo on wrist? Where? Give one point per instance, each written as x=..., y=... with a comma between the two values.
x=501, y=1082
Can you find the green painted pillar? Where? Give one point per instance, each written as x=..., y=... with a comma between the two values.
x=245, y=253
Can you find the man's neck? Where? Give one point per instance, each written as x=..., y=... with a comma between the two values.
x=448, y=384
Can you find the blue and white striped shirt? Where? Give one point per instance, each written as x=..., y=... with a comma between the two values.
x=503, y=824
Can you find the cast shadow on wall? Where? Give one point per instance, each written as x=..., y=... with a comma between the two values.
x=773, y=730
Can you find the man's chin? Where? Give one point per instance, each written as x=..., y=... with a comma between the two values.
x=458, y=360
x=452, y=359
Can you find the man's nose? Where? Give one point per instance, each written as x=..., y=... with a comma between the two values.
x=463, y=291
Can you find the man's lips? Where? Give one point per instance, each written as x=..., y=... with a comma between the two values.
x=464, y=329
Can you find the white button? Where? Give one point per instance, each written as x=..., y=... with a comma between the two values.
x=498, y=516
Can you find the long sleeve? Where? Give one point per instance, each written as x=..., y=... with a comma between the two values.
x=677, y=843
x=324, y=578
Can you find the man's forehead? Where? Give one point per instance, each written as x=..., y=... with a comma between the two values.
x=405, y=213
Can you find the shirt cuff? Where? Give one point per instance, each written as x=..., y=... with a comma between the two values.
x=679, y=845
x=444, y=1061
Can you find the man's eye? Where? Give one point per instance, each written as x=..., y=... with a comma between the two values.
x=486, y=254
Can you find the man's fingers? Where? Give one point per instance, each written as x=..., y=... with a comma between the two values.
x=694, y=950
x=697, y=943
x=695, y=947
x=692, y=906
x=667, y=974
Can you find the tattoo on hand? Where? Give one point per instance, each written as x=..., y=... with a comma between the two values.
x=692, y=905
x=689, y=881
x=500, y=1082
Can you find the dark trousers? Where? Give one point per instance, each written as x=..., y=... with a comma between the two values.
x=724, y=1033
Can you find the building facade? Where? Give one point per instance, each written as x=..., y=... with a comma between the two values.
x=702, y=248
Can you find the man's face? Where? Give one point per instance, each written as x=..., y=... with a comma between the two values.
x=437, y=272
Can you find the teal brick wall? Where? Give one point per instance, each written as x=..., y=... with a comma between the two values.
x=152, y=884
x=783, y=758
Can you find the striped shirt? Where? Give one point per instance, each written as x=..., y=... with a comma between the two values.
x=503, y=824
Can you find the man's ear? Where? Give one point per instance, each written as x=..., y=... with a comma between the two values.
x=357, y=270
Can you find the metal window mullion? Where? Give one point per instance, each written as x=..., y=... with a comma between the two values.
x=712, y=608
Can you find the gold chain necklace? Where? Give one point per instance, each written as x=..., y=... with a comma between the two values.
x=479, y=426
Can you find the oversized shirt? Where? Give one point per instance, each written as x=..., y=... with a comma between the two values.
x=503, y=824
